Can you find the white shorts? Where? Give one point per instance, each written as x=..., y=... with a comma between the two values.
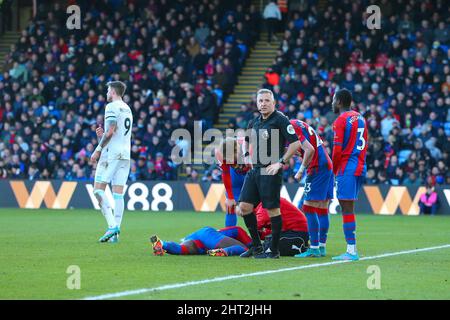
x=114, y=171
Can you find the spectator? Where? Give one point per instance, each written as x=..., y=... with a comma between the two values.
x=273, y=78
x=429, y=202
x=272, y=15
x=53, y=84
x=192, y=174
x=396, y=83
x=55, y=81
x=162, y=169
x=371, y=176
x=412, y=180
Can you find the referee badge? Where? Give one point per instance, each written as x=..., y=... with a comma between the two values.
x=265, y=134
x=290, y=129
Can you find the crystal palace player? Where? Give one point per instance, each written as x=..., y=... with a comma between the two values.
x=230, y=158
x=294, y=231
x=318, y=187
x=224, y=242
x=349, y=164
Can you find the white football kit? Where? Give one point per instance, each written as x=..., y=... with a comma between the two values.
x=114, y=163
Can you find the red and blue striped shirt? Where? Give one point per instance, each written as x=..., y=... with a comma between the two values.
x=350, y=144
x=321, y=159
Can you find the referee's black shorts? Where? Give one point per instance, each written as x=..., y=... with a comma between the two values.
x=263, y=188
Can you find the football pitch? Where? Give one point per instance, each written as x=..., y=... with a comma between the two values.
x=40, y=249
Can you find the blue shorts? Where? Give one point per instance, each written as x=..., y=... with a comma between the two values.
x=237, y=181
x=347, y=187
x=210, y=237
x=319, y=186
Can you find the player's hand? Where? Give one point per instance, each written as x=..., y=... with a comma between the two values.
x=248, y=161
x=274, y=168
x=99, y=132
x=238, y=211
x=95, y=156
x=230, y=204
x=299, y=175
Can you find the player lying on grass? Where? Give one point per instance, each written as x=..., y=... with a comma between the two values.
x=234, y=240
x=229, y=241
x=229, y=155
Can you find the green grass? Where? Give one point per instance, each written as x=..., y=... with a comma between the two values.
x=37, y=247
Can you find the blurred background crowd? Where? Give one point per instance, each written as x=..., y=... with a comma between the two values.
x=399, y=76
x=181, y=59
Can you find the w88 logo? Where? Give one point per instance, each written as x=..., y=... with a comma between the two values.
x=161, y=193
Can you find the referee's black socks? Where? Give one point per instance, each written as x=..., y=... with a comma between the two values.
x=252, y=226
x=276, y=232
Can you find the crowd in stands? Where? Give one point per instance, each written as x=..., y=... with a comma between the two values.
x=179, y=59
x=399, y=76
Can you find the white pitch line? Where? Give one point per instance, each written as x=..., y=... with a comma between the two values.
x=254, y=274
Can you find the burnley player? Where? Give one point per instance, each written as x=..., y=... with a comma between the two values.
x=318, y=187
x=113, y=156
x=230, y=158
x=349, y=164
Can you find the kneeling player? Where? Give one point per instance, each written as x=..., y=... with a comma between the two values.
x=294, y=230
x=228, y=241
x=318, y=187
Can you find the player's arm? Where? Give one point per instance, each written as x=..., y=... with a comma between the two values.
x=338, y=141
x=111, y=124
x=237, y=233
x=308, y=154
x=263, y=222
x=99, y=132
x=226, y=179
x=112, y=127
x=230, y=202
x=288, y=132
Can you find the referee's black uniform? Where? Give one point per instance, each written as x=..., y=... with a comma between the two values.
x=258, y=185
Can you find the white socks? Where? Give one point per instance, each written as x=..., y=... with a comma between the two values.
x=119, y=205
x=106, y=209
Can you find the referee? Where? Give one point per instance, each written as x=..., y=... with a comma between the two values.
x=263, y=181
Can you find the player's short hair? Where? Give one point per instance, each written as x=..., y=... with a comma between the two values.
x=228, y=146
x=264, y=91
x=118, y=86
x=344, y=96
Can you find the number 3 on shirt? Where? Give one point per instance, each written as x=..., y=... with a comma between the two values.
x=361, y=138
